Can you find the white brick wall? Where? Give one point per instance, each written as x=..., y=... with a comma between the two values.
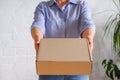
x=17, y=55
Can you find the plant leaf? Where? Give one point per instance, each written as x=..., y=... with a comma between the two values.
x=104, y=62
x=115, y=3
x=110, y=61
x=107, y=25
x=107, y=73
x=117, y=72
x=119, y=53
x=116, y=37
x=111, y=74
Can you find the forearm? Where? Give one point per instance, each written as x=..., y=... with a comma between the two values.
x=88, y=33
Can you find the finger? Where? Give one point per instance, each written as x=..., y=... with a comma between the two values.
x=37, y=43
x=90, y=42
x=36, y=48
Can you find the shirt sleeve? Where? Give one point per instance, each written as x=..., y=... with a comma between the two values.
x=85, y=18
x=39, y=20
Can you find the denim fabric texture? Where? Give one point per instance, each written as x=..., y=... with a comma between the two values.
x=59, y=77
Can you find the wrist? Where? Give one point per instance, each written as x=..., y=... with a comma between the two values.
x=37, y=34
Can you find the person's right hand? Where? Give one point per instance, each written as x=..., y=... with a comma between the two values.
x=37, y=43
x=37, y=36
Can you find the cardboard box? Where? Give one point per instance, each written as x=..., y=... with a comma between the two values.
x=63, y=56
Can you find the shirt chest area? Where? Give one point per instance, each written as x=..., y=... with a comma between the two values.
x=67, y=13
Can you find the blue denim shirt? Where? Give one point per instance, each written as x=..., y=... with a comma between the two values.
x=66, y=22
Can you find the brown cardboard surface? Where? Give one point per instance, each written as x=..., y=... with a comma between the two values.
x=67, y=56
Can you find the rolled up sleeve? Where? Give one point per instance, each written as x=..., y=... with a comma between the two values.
x=85, y=18
x=39, y=19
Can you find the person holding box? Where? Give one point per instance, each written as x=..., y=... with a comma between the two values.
x=63, y=19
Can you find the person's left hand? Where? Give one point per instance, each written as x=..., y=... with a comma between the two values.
x=90, y=43
x=89, y=35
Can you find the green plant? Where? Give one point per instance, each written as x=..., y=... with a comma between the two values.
x=112, y=71
x=112, y=28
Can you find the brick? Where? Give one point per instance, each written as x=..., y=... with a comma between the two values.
x=25, y=51
x=9, y=51
x=21, y=59
x=25, y=72
x=31, y=51
x=31, y=59
x=7, y=59
x=8, y=44
x=21, y=51
x=24, y=36
x=23, y=44
x=6, y=70
x=5, y=36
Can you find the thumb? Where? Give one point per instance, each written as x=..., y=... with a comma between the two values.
x=37, y=41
